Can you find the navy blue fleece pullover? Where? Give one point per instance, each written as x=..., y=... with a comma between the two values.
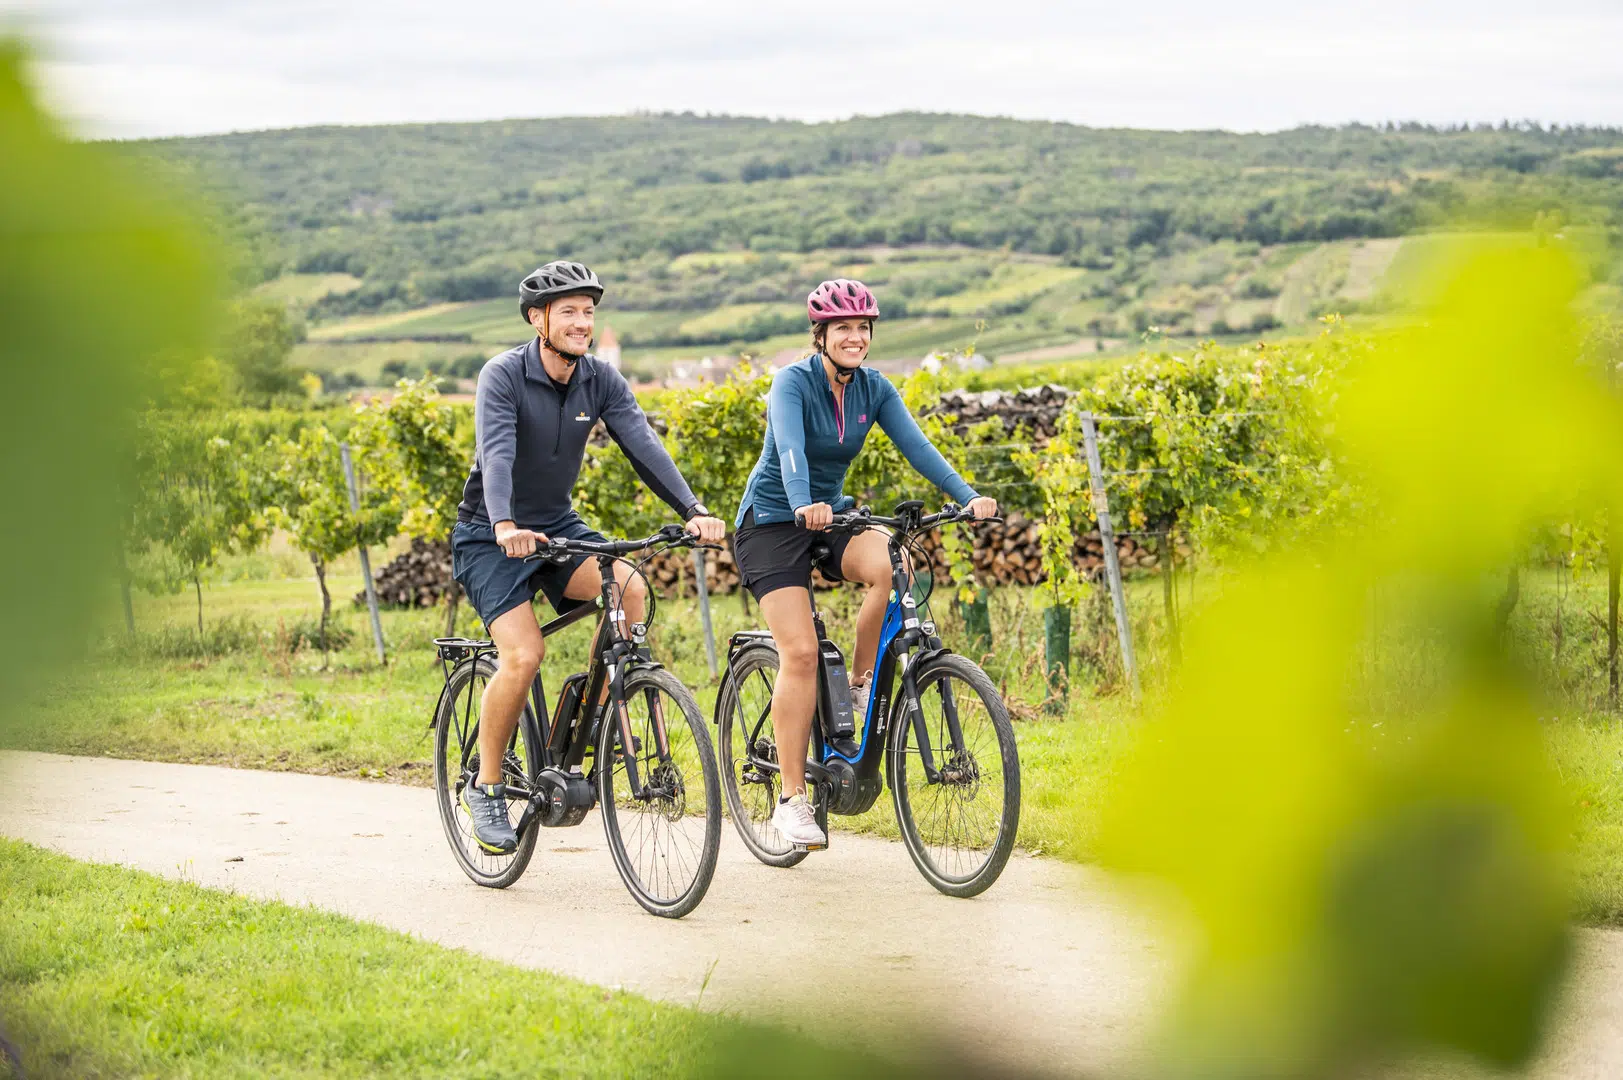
x=530, y=440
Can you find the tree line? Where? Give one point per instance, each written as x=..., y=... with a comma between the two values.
x=426, y=213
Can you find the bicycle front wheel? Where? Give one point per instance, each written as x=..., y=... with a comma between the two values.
x=666, y=839
x=959, y=827
x=744, y=732
x=456, y=764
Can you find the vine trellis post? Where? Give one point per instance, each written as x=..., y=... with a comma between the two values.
x=366, y=561
x=1107, y=537
x=702, y=589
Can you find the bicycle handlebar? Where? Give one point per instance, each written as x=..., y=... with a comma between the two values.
x=861, y=519
x=558, y=548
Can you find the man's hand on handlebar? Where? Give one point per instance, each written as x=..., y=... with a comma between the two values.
x=709, y=530
x=982, y=506
x=815, y=516
x=517, y=542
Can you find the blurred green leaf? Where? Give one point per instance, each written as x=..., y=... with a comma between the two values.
x=106, y=292
x=1356, y=897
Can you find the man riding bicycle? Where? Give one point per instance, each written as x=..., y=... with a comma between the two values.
x=534, y=408
x=819, y=412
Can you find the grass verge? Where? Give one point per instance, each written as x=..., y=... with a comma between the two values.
x=106, y=971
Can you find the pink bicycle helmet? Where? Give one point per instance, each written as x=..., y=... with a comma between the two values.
x=841, y=298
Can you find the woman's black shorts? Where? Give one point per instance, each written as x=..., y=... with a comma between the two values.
x=777, y=556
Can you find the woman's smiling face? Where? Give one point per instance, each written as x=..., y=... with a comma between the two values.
x=846, y=341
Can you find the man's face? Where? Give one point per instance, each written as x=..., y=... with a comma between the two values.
x=569, y=323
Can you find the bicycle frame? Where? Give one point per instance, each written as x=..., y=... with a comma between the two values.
x=854, y=781
x=564, y=748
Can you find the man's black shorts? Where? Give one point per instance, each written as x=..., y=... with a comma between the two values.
x=496, y=584
x=777, y=556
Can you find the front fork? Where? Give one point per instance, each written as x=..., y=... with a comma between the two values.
x=622, y=717
x=921, y=734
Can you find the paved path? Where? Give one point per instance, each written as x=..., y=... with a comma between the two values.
x=1050, y=966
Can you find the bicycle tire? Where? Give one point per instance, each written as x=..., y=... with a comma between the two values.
x=752, y=816
x=483, y=868
x=636, y=870
x=954, y=670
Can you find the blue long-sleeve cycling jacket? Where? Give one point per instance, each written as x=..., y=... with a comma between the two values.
x=811, y=441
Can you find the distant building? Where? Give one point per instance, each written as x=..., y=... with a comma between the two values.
x=934, y=362
x=608, y=348
x=706, y=369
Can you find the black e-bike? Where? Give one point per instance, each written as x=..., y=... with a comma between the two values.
x=625, y=736
x=935, y=728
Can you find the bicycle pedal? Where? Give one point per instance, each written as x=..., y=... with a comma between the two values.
x=810, y=847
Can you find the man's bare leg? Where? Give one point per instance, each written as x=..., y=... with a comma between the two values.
x=518, y=640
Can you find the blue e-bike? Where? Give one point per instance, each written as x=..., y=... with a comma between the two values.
x=935, y=727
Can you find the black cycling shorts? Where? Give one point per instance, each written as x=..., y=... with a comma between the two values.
x=777, y=556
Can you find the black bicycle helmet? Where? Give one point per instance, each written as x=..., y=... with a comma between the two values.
x=558, y=278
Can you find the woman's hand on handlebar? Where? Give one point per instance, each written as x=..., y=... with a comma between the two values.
x=815, y=516
x=982, y=506
x=516, y=542
x=709, y=530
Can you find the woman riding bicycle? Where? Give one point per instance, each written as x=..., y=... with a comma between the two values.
x=819, y=412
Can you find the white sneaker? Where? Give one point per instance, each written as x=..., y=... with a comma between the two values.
x=798, y=824
x=859, y=702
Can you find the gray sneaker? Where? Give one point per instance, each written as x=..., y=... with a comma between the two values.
x=487, y=805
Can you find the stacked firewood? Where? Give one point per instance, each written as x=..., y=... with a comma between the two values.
x=416, y=578
x=1037, y=409
x=1005, y=554
x=1011, y=554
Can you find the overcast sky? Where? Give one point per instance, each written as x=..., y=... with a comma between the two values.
x=169, y=67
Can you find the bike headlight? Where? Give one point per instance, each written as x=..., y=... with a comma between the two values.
x=927, y=628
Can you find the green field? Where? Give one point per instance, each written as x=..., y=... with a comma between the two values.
x=305, y=289
x=1007, y=305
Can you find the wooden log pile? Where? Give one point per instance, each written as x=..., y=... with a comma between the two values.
x=1011, y=554
x=1005, y=554
x=1037, y=409
x=415, y=578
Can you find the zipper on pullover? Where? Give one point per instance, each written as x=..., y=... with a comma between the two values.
x=839, y=414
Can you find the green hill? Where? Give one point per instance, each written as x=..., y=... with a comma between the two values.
x=711, y=229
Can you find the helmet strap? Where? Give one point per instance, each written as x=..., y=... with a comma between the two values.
x=546, y=338
x=842, y=374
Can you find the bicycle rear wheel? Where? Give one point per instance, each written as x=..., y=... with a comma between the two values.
x=456, y=764
x=960, y=828
x=664, y=843
x=743, y=722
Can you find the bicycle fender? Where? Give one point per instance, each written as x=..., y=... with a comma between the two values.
x=445, y=688
x=740, y=650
